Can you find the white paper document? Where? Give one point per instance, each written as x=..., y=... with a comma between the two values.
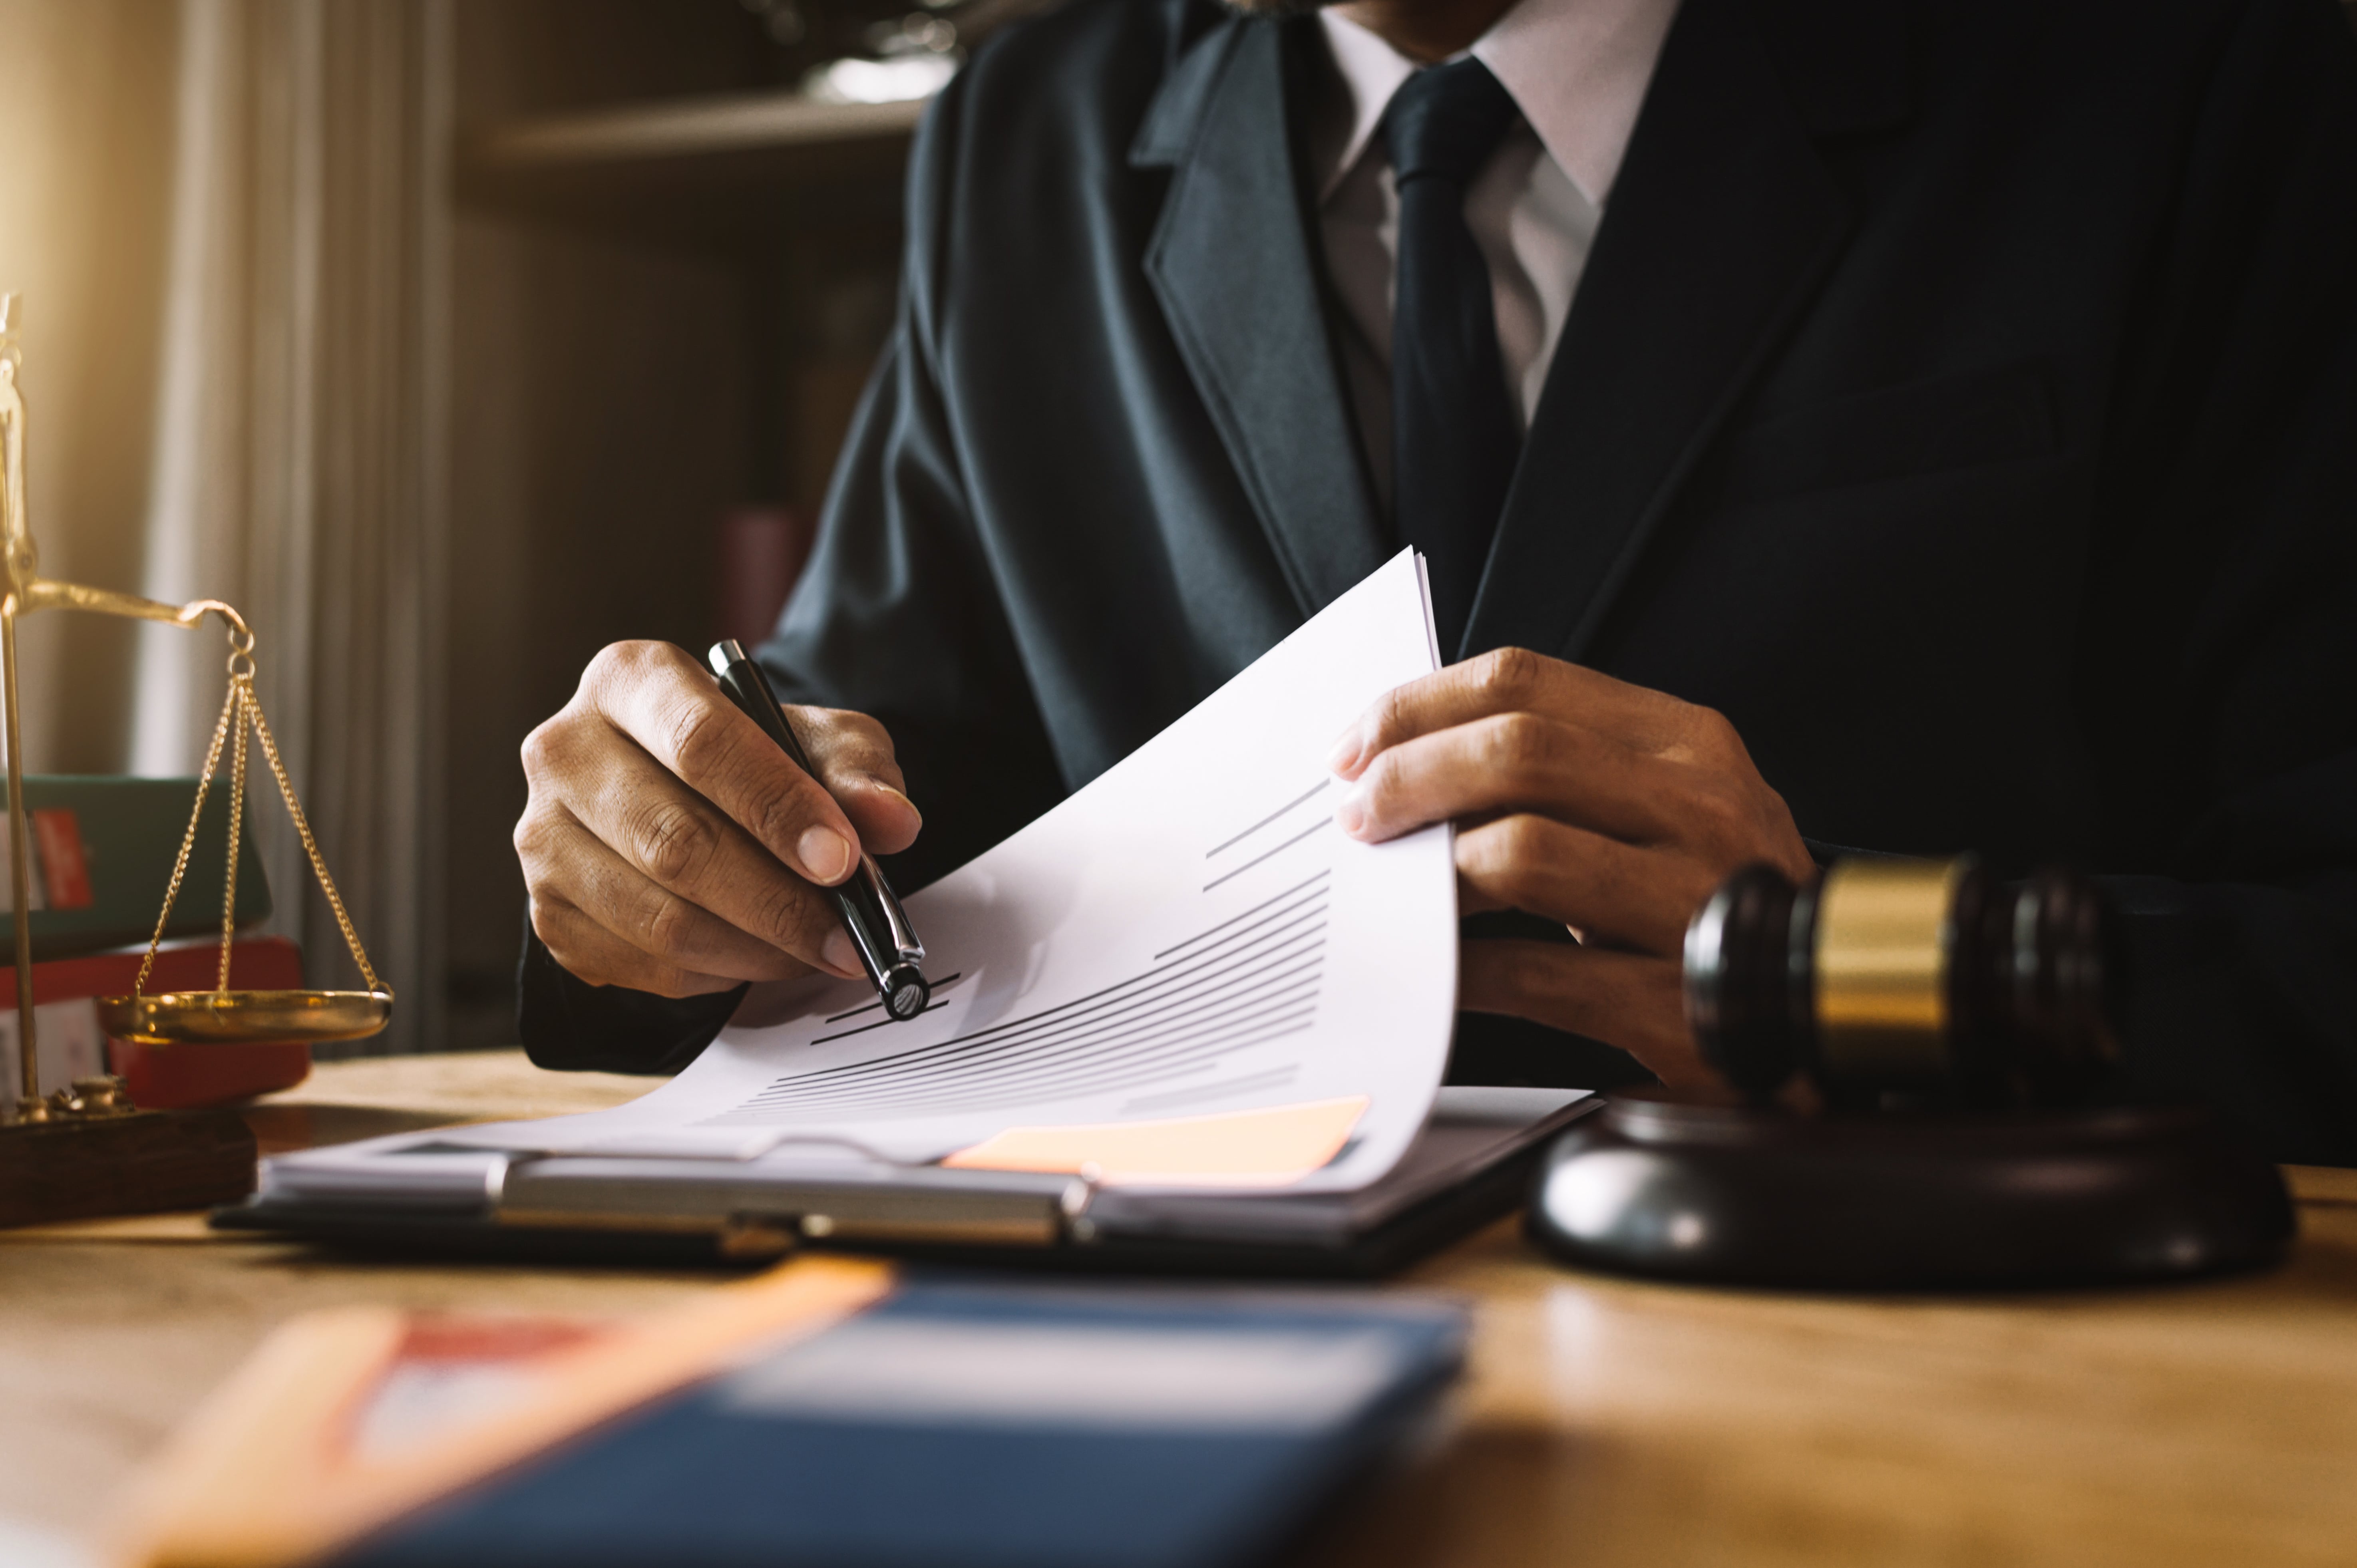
x=1190, y=936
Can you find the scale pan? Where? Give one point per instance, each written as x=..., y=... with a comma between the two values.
x=244, y=1017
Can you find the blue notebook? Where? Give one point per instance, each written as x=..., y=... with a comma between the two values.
x=960, y=1425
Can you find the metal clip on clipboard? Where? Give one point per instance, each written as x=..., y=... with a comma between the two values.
x=769, y=1215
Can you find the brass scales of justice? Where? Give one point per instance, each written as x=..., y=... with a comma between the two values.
x=193, y=1019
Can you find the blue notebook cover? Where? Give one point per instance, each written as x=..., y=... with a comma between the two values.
x=960, y=1425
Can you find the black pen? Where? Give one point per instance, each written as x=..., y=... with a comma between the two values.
x=888, y=949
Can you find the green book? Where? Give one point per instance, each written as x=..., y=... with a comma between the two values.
x=103, y=849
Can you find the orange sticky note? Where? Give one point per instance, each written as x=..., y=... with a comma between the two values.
x=1270, y=1147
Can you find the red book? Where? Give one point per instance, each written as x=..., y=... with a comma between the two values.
x=63, y=869
x=162, y=1077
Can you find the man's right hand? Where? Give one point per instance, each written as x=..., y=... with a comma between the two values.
x=670, y=847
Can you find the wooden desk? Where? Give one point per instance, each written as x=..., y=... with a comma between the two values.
x=1606, y=1422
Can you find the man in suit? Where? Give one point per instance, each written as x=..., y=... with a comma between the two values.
x=1915, y=427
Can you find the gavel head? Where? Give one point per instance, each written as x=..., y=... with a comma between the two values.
x=1928, y=979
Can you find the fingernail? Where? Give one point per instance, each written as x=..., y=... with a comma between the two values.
x=885, y=789
x=826, y=856
x=1347, y=750
x=1351, y=811
x=838, y=954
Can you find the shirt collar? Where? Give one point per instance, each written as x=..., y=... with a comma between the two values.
x=1370, y=71
x=1576, y=69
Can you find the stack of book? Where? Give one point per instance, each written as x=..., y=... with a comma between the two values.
x=102, y=852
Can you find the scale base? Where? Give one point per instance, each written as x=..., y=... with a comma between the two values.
x=1684, y=1188
x=142, y=1163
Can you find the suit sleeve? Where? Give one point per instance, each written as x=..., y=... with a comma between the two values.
x=897, y=615
x=2220, y=643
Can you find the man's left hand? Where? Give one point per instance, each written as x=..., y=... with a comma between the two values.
x=1611, y=808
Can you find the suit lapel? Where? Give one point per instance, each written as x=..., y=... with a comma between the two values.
x=1721, y=223
x=1231, y=263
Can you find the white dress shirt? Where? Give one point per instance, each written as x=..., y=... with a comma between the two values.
x=1578, y=69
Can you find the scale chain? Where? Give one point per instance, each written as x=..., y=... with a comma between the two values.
x=240, y=707
x=188, y=839
x=318, y=863
x=241, y=688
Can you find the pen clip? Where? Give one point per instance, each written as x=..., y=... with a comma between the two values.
x=897, y=929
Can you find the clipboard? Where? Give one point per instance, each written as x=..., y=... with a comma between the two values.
x=1471, y=1164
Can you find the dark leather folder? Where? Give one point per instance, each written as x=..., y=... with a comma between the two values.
x=965, y=1423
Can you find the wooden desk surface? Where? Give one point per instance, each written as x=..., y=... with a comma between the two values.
x=1606, y=1422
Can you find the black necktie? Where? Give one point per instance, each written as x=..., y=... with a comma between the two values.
x=1454, y=439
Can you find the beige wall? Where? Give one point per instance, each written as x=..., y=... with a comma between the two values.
x=86, y=93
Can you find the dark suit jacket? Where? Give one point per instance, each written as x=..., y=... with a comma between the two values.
x=1961, y=397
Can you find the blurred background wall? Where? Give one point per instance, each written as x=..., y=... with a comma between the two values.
x=299, y=428
x=449, y=341
x=86, y=139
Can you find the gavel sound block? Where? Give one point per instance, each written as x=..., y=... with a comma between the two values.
x=1919, y=1059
